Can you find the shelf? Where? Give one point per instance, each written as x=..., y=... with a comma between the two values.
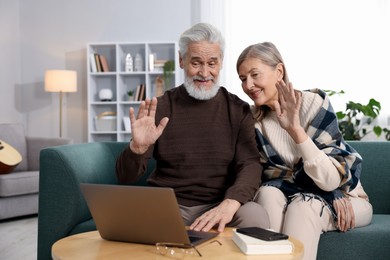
x=118, y=82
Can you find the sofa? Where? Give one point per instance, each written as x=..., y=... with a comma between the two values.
x=19, y=188
x=63, y=210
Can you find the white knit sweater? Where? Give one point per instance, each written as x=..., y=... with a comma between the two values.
x=316, y=163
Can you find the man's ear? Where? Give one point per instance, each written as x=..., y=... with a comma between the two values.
x=181, y=61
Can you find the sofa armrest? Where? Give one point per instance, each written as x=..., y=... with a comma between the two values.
x=61, y=203
x=375, y=172
x=36, y=144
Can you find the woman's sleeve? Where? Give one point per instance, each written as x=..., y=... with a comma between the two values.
x=319, y=166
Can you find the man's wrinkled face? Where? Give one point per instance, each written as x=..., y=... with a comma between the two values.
x=202, y=64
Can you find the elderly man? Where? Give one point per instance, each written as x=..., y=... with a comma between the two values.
x=203, y=140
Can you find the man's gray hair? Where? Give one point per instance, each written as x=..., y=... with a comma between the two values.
x=201, y=32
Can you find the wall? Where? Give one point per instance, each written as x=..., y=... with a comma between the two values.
x=45, y=34
x=54, y=35
x=10, y=104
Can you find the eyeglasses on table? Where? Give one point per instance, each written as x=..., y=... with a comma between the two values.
x=179, y=251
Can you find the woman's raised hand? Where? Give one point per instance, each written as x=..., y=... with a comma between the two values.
x=287, y=110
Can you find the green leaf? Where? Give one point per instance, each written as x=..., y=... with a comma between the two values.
x=333, y=92
x=169, y=67
x=351, y=125
x=377, y=130
x=340, y=115
x=387, y=133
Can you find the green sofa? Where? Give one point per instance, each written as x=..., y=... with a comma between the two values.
x=63, y=211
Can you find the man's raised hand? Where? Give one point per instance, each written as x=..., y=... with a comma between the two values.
x=143, y=128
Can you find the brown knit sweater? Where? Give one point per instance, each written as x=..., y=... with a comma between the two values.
x=206, y=153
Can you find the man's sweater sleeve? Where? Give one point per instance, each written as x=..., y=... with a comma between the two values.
x=130, y=166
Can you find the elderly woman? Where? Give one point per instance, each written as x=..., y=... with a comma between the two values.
x=311, y=175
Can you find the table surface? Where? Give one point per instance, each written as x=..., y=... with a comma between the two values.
x=90, y=245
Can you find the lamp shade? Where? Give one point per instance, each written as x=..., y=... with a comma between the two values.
x=61, y=81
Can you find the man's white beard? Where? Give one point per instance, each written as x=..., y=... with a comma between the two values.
x=201, y=93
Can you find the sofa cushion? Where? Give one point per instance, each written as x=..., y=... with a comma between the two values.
x=348, y=245
x=19, y=183
x=36, y=144
x=15, y=206
x=13, y=134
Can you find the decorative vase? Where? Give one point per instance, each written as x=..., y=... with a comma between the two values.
x=105, y=94
x=138, y=63
x=129, y=66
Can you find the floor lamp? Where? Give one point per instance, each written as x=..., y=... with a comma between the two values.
x=60, y=81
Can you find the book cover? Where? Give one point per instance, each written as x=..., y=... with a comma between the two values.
x=98, y=64
x=142, y=95
x=137, y=92
x=104, y=63
x=92, y=62
x=254, y=246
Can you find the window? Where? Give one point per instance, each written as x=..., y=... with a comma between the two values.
x=325, y=44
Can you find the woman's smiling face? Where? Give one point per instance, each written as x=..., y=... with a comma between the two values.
x=258, y=81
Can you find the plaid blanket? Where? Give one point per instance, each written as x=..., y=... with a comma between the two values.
x=324, y=132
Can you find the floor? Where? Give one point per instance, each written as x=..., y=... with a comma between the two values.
x=18, y=238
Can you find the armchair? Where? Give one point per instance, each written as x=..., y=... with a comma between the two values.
x=62, y=208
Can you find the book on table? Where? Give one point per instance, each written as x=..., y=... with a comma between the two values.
x=254, y=246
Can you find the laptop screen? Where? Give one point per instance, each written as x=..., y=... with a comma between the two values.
x=139, y=214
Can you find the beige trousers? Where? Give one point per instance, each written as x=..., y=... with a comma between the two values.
x=250, y=214
x=302, y=219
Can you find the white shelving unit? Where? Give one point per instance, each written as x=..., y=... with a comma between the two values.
x=119, y=82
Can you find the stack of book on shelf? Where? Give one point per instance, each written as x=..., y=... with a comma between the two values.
x=159, y=65
x=254, y=246
x=98, y=63
x=140, y=93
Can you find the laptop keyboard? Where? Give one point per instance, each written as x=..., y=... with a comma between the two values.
x=194, y=239
x=195, y=236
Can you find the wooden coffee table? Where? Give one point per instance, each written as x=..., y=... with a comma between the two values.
x=90, y=245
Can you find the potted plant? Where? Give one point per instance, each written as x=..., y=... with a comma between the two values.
x=168, y=69
x=357, y=119
x=130, y=95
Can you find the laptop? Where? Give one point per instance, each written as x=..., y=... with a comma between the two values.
x=139, y=214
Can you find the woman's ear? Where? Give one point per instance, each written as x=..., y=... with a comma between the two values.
x=280, y=70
